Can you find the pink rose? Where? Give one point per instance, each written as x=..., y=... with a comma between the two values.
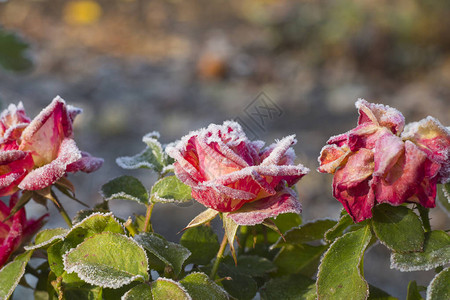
x=379, y=162
x=35, y=154
x=16, y=230
x=229, y=173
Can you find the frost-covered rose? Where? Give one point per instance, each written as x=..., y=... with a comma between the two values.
x=229, y=173
x=16, y=230
x=36, y=153
x=382, y=161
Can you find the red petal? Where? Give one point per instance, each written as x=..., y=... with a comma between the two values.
x=45, y=133
x=285, y=201
x=48, y=174
x=86, y=164
x=379, y=114
x=14, y=166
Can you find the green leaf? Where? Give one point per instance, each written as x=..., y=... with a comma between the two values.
x=108, y=260
x=436, y=253
x=172, y=254
x=306, y=233
x=200, y=287
x=203, y=217
x=202, y=242
x=139, y=292
x=444, y=198
x=230, y=231
x=378, y=294
x=13, y=52
x=239, y=285
x=340, y=272
x=85, y=291
x=439, y=287
x=84, y=213
x=125, y=187
x=302, y=258
x=164, y=288
x=152, y=157
x=289, y=287
x=338, y=229
x=287, y=221
x=170, y=189
x=413, y=291
x=46, y=237
x=251, y=265
x=11, y=274
x=398, y=228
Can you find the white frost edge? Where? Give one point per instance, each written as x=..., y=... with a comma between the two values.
x=53, y=238
x=358, y=265
x=424, y=267
x=120, y=163
x=95, y=214
x=177, y=284
x=215, y=285
x=13, y=287
x=121, y=195
x=74, y=268
x=430, y=286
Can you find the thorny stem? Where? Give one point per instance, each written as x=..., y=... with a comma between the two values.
x=219, y=257
x=423, y=211
x=148, y=215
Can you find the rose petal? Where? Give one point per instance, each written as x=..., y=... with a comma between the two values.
x=12, y=240
x=45, y=133
x=388, y=150
x=331, y=157
x=358, y=168
x=285, y=201
x=434, y=139
x=279, y=151
x=48, y=174
x=87, y=163
x=404, y=178
x=379, y=114
x=14, y=165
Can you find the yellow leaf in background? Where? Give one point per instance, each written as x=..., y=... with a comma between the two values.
x=82, y=12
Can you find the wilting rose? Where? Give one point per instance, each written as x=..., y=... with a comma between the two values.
x=380, y=162
x=16, y=230
x=229, y=173
x=36, y=153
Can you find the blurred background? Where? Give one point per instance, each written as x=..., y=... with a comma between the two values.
x=278, y=67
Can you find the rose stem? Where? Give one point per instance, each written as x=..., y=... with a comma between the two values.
x=423, y=211
x=219, y=257
x=148, y=215
x=64, y=214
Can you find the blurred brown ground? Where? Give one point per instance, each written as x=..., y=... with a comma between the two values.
x=136, y=66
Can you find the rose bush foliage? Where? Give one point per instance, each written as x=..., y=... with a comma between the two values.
x=379, y=167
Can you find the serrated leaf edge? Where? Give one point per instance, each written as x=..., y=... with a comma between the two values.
x=177, y=284
x=49, y=241
x=100, y=283
x=119, y=162
x=215, y=285
x=363, y=249
x=425, y=267
x=430, y=286
x=108, y=214
x=13, y=287
x=126, y=294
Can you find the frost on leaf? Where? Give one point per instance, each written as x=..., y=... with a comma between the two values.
x=108, y=260
x=47, y=237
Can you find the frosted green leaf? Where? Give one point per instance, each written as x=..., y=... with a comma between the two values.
x=200, y=287
x=11, y=274
x=125, y=187
x=289, y=287
x=139, y=292
x=164, y=289
x=398, y=228
x=152, y=157
x=108, y=260
x=241, y=286
x=439, y=287
x=46, y=237
x=340, y=271
x=436, y=253
x=251, y=265
x=302, y=258
x=444, y=198
x=172, y=254
x=307, y=232
x=170, y=189
x=202, y=242
x=203, y=217
x=338, y=229
x=230, y=230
